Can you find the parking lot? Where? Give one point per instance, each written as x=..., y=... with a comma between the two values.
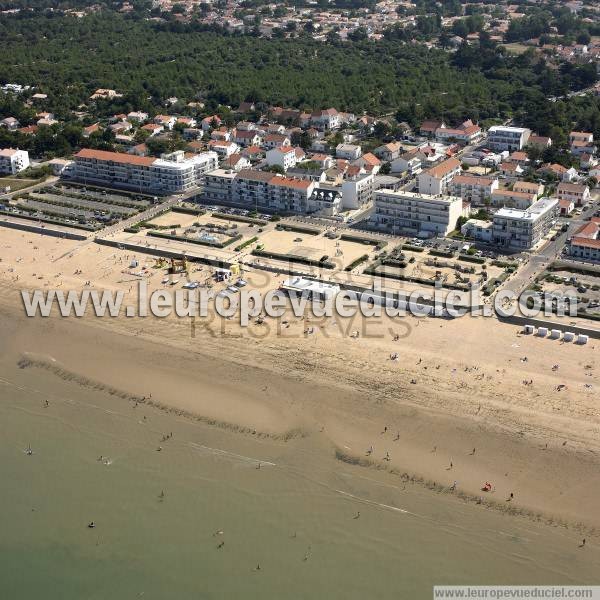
x=79, y=207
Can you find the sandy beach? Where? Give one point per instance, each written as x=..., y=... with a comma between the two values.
x=452, y=413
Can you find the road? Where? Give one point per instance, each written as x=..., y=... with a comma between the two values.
x=551, y=251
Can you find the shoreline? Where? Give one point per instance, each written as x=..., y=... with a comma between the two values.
x=539, y=443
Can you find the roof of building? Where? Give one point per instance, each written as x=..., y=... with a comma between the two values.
x=250, y=175
x=117, y=157
x=473, y=180
x=563, y=186
x=443, y=168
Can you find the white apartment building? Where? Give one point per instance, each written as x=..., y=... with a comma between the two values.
x=172, y=173
x=13, y=160
x=283, y=156
x=507, y=138
x=473, y=188
x=522, y=229
x=416, y=213
x=357, y=191
x=436, y=180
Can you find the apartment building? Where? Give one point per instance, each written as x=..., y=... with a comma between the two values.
x=172, y=173
x=465, y=133
x=436, y=180
x=357, y=190
x=283, y=156
x=576, y=192
x=13, y=160
x=522, y=229
x=416, y=213
x=326, y=119
x=473, y=188
x=507, y=138
x=585, y=243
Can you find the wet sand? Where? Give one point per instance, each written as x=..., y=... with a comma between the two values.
x=314, y=403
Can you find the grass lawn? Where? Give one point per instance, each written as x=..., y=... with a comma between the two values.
x=17, y=184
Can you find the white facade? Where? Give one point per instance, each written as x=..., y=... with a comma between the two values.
x=348, y=151
x=12, y=161
x=523, y=229
x=419, y=213
x=436, y=180
x=357, y=191
x=507, y=138
x=168, y=175
x=478, y=230
x=473, y=188
x=284, y=157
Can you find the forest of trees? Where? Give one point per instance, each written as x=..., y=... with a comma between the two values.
x=70, y=57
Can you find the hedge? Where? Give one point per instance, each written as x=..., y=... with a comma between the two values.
x=449, y=286
x=413, y=248
x=181, y=238
x=292, y=258
x=380, y=244
x=218, y=215
x=442, y=253
x=246, y=243
x=358, y=261
x=188, y=211
x=473, y=259
x=50, y=221
x=298, y=229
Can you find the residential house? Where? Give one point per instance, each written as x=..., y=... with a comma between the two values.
x=429, y=127
x=211, y=122
x=153, y=128
x=388, y=152
x=513, y=199
x=247, y=137
x=369, y=162
x=529, y=187
x=348, y=151
x=541, y=142
x=436, y=180
x=87, y=131
x=237, y=162
x=137, y=116
x=325, y=119
x=167, y=121
x=276, y=140
x=223, y=148
x=578, y=193
x=566, y=207
x=409, y=163
x=509, y=169
x=465, y=133
x=10, y=123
